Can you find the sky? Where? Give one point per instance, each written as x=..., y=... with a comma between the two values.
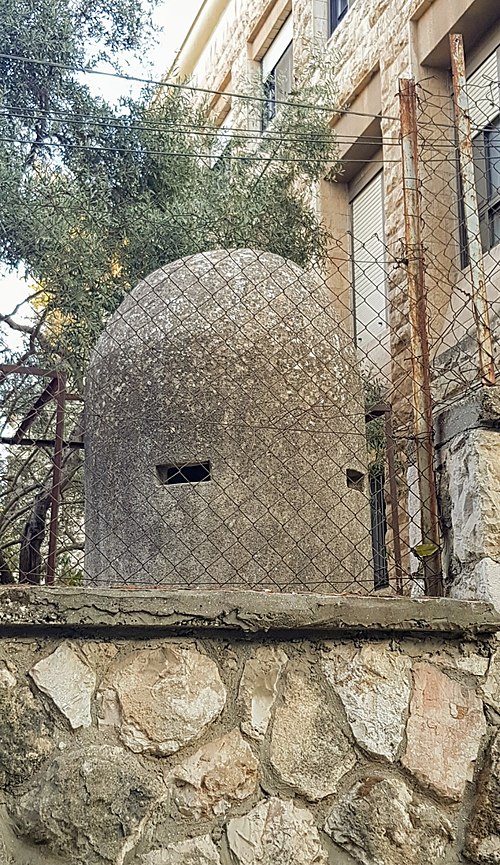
x=174, y=18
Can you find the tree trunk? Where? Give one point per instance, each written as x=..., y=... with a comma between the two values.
x=30, y=559
x=6, y=575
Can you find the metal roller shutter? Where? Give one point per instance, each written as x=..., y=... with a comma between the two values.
x=370, y=299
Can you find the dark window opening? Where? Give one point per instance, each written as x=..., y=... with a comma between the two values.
x=379, y=530
x=185, y=473
x=487, y=176
x=355, y=480
x=338, y=11
x=277, y=85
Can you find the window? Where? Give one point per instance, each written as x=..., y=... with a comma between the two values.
x=483, y=89
x=184, y=473
x=487, y=169
x=379, y=530
x=277, y=71
x=368, y=269
x=338, y=11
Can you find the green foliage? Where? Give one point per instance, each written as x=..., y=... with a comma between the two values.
x=96, y=196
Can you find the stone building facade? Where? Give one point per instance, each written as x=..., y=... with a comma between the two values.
x=372, y=44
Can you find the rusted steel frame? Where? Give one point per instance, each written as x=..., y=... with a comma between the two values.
x=419, y=345
x=471, y=211
x=7, y=368
x=383, y=409
x=59, y=397
x=41, y=443
x=46, y=396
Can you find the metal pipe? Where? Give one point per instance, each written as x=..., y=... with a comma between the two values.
x=419, y=345
x=471, y=211
x=41, y=443
x=59, y=397
x=7, y=368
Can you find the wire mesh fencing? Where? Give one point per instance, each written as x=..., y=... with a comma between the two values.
x=245, y=421
x=233, y=435
x=459, y=159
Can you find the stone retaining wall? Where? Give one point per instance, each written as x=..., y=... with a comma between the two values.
x=243, y=729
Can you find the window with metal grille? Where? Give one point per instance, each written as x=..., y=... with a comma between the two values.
x=277, y=72
x=483, y=90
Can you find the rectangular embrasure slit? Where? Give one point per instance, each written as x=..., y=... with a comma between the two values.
x=355, y=480
x=184, y=473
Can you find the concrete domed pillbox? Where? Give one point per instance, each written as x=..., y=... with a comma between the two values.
x=225, y=433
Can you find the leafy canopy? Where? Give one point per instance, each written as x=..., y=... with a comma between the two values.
x=98, y=195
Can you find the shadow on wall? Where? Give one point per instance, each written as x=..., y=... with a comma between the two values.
x=14, y=851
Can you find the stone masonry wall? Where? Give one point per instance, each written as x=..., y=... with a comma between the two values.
x=377, y=41
x=468, y=462
x=234, y=730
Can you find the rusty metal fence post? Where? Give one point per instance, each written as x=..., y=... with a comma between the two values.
x=59, y=397
x=428, y=550
x=471, y=211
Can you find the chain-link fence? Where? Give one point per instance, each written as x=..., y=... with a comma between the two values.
x=249, y=422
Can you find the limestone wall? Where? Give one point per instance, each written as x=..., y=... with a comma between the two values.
x=468, y=458
x=234, y=730
x=377, y=42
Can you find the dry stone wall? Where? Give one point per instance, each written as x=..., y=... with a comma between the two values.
x=282, y=748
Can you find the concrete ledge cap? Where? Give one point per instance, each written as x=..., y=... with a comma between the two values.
x=479, y=409
x=27, y=608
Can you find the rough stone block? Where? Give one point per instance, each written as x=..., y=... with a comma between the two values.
x=481, y=581
x=26, y=732
x=374, y=686
x=482, y=840
x=380, y=821
x=309, y=750
x=219, y=775
x=69, y=683
x=444, y=731
x=88, y=804
x=193, y=851
x=258, y=689
x=276, y=832
x=162, y=699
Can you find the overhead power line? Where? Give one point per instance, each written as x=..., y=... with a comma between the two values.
x=189, y=87
x=174, y=154
x=233, y=133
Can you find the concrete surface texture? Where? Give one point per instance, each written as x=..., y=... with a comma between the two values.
x=233, y=361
